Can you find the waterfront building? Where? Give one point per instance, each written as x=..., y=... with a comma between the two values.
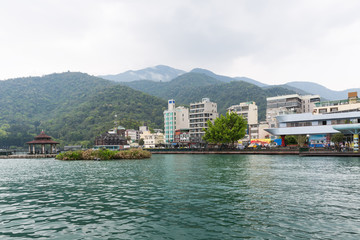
x=347, y=105
x=133, y=134
x=288, y=104
x=182, y=137
x=249, y=111
x=319, y=127
x=110, y=139
x=174, y=118
x=200, y=113
x=152, y=140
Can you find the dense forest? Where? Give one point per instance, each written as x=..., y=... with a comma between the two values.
x=62, y=103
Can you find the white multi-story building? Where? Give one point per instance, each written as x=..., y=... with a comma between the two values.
x=151, y=140
x=249, y=111
x=174, y=118
x=200, y=113
x=347, y=105
x=133, y=134
x=289, y=104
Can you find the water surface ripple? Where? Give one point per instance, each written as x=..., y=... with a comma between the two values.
x=181, y=197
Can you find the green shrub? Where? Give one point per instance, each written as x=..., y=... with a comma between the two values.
x=104, y=154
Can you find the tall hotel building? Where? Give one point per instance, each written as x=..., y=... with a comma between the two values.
x=200, y=113
x=174, y=118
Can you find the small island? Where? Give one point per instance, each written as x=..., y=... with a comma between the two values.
x=104, y=154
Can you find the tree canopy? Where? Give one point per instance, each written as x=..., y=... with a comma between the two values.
x=226, y=129
x=337, y=138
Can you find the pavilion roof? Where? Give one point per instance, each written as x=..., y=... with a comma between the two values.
x=42, y=138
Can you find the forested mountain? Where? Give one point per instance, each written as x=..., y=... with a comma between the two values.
x=192, y=87
x=132, y=108
x=28, y=105
x=158, y=73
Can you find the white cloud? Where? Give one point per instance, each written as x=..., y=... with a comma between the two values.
x=271, y=41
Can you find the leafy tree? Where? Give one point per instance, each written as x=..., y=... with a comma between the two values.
x=301, y=140
x=290, y=140
x=226, y=129
x=141, y=142
x=337, y=138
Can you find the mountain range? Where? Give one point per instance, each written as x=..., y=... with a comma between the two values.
x=162, y=73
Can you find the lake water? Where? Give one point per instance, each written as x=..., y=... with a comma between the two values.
x=181, y=197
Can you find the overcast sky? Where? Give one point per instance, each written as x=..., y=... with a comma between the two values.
x=273, y=41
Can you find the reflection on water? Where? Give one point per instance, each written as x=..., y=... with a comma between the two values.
x=181, y=197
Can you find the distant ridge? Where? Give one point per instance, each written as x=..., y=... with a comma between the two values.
x=324, y=92
x=158, y=73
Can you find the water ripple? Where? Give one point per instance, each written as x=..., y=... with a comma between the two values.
x=181, y=197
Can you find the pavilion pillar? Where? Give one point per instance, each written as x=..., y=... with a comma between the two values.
x=30, y=148
x=51, y=148
x=33, y=147
x=283, y=140
x=356, y=142
x=42, y=148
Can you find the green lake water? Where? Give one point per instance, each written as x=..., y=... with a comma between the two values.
x=181, y=197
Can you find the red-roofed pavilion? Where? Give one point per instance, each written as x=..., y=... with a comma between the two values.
x=42, y=140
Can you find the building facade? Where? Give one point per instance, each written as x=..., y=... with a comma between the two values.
x=182, y=137
x=200, y=113
x=249, y=111
x=174, y=118
x=288, y=104
x=152, y=140
x=133, y=134
x=347, y=105
x=318, y=127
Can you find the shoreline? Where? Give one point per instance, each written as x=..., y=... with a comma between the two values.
x=288, y=152
x=28, y=156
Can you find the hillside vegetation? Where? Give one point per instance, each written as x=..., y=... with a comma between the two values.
x=192, y=87
x=64, y=104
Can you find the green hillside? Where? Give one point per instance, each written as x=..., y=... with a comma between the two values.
x=192, y=87
x=133, y=108
x=54, y=102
